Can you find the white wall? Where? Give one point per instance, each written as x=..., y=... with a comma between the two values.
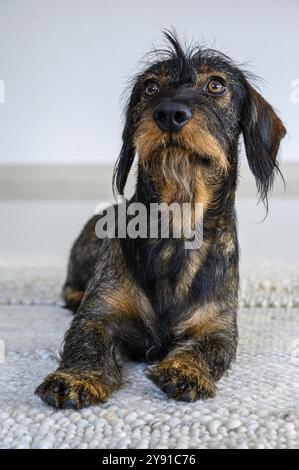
x=65, y=62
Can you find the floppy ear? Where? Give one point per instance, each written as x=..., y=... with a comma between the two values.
x=126, y=157
x=262, y=132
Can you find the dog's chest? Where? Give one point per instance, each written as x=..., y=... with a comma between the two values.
x=175, y=282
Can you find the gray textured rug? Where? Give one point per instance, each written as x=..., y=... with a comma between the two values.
x=257, y=405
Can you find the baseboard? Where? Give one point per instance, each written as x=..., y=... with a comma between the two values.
x=56, y=182
x=94, y=182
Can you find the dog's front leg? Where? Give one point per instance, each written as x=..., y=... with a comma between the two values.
x=88, y=371
x=201, y=355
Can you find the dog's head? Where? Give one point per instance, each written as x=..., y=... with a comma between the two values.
x=192, y=106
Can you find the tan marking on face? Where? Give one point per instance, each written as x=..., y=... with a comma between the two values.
x=161, y=77
x=197, y=138
x=207, y=73
x=147, y=136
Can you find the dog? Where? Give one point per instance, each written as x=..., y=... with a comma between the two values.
x=150, y=299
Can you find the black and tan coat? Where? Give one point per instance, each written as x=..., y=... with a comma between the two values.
x=151, y=299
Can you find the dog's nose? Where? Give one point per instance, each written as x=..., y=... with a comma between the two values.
x=171, y=116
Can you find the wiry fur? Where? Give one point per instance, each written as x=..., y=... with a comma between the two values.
x=151, y=299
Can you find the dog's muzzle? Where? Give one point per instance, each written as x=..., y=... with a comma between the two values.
x=171, y=116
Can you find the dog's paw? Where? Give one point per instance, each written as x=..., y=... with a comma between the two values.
x=73, y=389
x=182, y=381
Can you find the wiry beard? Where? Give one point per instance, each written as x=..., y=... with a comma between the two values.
x=182, y=176
x=169, y=169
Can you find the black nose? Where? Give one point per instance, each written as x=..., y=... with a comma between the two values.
x=171, y=116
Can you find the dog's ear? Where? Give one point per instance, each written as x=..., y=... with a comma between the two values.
x=125, y=160
x=262, y=131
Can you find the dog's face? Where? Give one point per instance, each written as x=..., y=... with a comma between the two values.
x=192, y=107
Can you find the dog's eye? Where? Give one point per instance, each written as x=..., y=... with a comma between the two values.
x=215, y=87
x=152, y=88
